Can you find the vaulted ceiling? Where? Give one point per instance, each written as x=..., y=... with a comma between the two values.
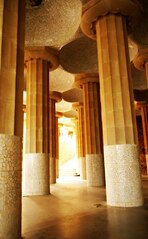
x=56, y=23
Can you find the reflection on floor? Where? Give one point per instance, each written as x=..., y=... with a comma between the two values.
x=75, y=211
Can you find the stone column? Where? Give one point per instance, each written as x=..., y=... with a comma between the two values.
x=93, y=131
x=76, y=129
x=11, y=117
x=123, y=179
x=141, y=63
x=53, y=98
x=24, y=125
x=39, y=60
x=58, y=115
x=144, y=114
x=81, y=136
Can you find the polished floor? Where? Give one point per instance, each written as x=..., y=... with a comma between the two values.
x=75, y=211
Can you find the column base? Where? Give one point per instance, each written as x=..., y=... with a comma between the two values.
x=123, y=179
x=82, y=167
x=10, y=186
x=94, y=170
x=52, y=170
x=36, y=174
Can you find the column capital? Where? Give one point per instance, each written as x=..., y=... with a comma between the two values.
x=141, y=59
x=81, y=79
x=48, y=54
x=77, y=105
x=98, y=8
x=59, y=114
x=142, y=104
x=75, y=120
x=55, y=95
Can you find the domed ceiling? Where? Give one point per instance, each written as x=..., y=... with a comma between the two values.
x=80, y=56
x=139, y=32
x=56, y=23
x=51, y=23
x=60, y=80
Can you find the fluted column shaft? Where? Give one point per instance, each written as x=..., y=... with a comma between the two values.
x=77, y=138
x=76, y=126
x=116, y=94
x=76, y=130
x=57, y=148
x=82, y=135
x=37, y=130
x=119, y=125
x=12, y=26
x=144, y=112
x=58, y=115
x=92, y=118
x=11, y=67
x=36, y=160
x=81, y=138
x=52, y=134
x=82, y=142
x=53, y=98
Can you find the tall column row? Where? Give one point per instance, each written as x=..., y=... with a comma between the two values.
x=123, y=181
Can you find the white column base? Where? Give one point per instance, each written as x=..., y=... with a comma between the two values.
x=36, y=174
x=123, y=179
x=52, y=170
x=94, y=170
x=10, y=186
x=82, y=167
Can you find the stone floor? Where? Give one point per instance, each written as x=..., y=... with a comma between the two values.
x=75, y=211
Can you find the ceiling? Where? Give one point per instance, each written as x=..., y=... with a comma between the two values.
x=56, y=23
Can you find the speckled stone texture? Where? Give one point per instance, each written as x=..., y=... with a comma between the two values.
x=123, y=180
x=82, y=167
x=36, y=174
x=79, y=56
x=10, y=186
x=94, y=170
x=53, y=23
x=60, y=80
